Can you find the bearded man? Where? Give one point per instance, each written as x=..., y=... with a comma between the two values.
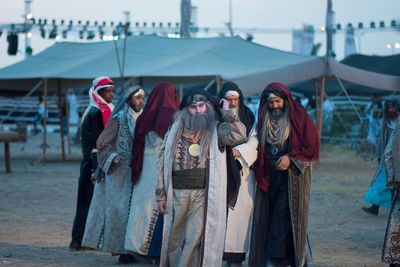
x=109, y=210
x=391, y=157
x=289, y=141
x=93, y=122
x=192, y=183
x=241, y=179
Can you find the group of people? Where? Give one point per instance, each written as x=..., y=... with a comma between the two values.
x=197, y=180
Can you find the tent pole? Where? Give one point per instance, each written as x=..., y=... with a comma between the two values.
x=349, y=98
x=218, y=81
x=321, y=104
x=61, y=104
x=209, y=85
x=44, y=121
x=316, y=90
x=181, y=90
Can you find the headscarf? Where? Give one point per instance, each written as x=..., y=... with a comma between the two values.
x=187, y=100
x=233, y=166
x=123, y=110
x=304, y=137
x=97, y=101
x=157, y=116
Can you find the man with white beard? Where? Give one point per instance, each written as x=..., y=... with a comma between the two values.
x=241, y=179
x=192, y=182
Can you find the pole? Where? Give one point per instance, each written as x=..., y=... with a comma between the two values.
x=321, y=104
x=230, y=19
x=186, y=10
x=329, y=30
x=61, y=105
x=316, y=91
x=218, y=83
x=27, y=18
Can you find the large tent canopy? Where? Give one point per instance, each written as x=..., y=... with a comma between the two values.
x=358, y=84
x=182, y=61
x=149, y=57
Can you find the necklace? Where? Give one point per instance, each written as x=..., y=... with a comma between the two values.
x=194, y=150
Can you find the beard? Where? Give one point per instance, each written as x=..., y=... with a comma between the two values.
x=135, y=108
x=276, y=113
x=198, y=121
x=201, y=125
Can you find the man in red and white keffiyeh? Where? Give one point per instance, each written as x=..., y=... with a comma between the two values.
x=93, y=122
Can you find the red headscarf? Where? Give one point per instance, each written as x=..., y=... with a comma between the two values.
x=157, y=116
x=304, y=135
x=97, y=101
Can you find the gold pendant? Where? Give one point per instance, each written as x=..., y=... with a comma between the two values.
x=194, y=150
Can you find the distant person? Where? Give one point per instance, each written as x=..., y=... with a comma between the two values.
x=375, y=114
x=328, y=108
x=252, y=106
x=73, y=108
x=311, y=108
x=109, y=209
x=390, y=252
x=145, y=223
x=64, y=120
x=39, y=116
x=378, y=194
x=93, y=122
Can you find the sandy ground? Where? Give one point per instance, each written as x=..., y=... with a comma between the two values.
x=37, y=205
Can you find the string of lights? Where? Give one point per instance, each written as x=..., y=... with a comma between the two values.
x=107, y=31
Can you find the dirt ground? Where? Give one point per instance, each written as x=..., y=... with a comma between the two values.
x=37, y=205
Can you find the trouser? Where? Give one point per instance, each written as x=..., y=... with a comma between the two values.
x=187, y=228
x=85, y=193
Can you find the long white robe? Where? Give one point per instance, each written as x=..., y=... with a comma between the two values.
x=144, y=208
x=239, y=219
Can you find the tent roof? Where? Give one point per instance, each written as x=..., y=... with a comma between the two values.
x=153, y=56
x=380, y=64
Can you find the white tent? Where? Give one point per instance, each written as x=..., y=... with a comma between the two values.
x=152, y=58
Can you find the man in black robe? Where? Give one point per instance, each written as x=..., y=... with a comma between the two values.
x=93, y=122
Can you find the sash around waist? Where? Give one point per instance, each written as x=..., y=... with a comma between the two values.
x=189, y=179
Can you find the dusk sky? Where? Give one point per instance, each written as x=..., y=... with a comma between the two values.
x=282, y=14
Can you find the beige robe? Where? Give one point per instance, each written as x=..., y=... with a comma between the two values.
x=215, y=202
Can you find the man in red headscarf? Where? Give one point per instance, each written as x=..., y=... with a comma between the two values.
x=93, y=122
x=289, y=142
x=144, y=230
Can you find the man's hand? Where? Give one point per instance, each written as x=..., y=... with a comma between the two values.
x=162, y=206
x=117, y=160
x=236, y=153
x=283, y=163
x=93, y=178
x=225, y=104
